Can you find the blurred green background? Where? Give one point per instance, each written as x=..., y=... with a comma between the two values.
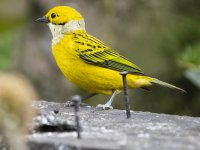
x=162, y=37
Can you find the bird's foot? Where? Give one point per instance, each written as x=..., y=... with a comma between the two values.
x=104, y=107
x=70, y=103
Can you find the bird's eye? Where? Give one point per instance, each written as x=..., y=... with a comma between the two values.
x=53, y=15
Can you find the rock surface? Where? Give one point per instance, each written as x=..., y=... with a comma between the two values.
x=111, y=130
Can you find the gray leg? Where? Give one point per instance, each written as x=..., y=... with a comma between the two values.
x=70, y=103
x=89, y=96
x=109, y=103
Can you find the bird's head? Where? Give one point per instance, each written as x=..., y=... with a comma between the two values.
x=61, y=15
x=63, y=19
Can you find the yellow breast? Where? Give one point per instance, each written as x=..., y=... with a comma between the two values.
x=86, y=76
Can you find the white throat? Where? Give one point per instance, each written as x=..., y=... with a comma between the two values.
x=58, y=31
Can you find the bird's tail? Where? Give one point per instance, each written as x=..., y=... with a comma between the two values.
x=156, y=81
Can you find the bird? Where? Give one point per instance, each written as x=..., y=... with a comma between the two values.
x=87, y=61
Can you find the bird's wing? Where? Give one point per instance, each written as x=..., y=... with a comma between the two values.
x=94, y=52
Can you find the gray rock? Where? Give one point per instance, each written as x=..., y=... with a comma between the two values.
x=110, y=129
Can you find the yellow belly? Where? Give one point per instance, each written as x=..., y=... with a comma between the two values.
x=90, y=77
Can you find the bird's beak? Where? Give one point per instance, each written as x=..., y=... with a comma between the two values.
x=43, y=19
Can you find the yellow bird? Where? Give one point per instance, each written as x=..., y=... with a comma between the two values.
x=88, y=62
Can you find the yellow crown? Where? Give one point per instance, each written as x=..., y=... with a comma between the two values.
x=62, y=14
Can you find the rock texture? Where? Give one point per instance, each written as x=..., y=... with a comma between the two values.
x=111, y=130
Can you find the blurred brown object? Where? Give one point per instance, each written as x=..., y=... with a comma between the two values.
x=16, y=97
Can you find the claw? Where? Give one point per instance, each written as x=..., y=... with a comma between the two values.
x=103, y=107
x=69, y=104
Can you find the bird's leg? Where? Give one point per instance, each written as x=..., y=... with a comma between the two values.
x=89, y=96
x=109, y=103
x=69, y=103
